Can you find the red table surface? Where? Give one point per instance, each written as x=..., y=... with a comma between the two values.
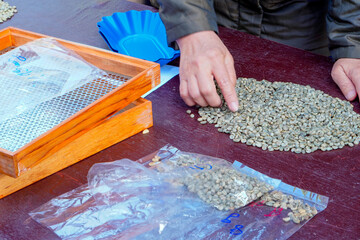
x=334, y=174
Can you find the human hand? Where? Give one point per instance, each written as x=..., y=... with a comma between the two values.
x=203, y=58
x=346, y=74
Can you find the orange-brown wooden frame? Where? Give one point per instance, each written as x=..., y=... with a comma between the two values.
x=144, y=76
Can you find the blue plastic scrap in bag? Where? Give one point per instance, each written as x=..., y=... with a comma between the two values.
x=139, y=34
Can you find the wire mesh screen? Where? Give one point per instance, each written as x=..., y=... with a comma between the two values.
x=20, y=130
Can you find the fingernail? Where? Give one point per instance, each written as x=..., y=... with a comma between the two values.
x=234, y=106
x=350, y=95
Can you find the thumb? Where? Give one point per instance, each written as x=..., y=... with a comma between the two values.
x=343, y=81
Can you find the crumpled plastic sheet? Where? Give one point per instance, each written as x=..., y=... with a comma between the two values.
x=130, y=200
x=39, y=71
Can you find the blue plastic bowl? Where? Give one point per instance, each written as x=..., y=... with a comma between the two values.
x=139, y=34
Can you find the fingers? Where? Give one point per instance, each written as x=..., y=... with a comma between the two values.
x=345, y=83
x=229, y=63
x=225, y=80
x=208, y=88
x=190, y=90
x=203, y=58
x=194, y=92
x=184, y=93
x=200, y=88
x=354, y=75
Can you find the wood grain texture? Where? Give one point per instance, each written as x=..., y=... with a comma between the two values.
x=7, y=159
x=7, y=162
x=113, y=130
x=5, y=40
x=145, y=75
x=104, y=59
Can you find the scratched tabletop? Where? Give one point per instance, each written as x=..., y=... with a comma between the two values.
x=334, y=174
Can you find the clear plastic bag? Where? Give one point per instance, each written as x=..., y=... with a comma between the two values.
x=116, y=204
x=262, y=219
x=148, y=199
x=114, y=181
x=215, y=181
x=39, y=71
